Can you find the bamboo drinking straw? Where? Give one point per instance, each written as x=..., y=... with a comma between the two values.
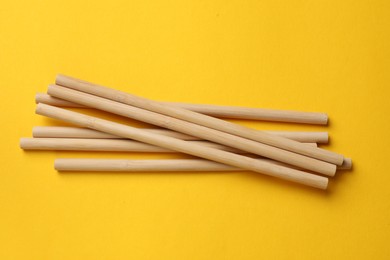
x=222, y=111
x=195, y=130
x=49, y=100
x=183, y=146
x=113, y=145
x=197, y=118
x=256, y=113
x=78, y=132
x=171, y=165
x=119, y=165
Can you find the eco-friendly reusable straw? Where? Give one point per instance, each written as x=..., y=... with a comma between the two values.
x=113, y=145
x=183, y=146
x=78, y=132
x=287, y=116
x=171, y=165
x=197, y=118
x=206, y=133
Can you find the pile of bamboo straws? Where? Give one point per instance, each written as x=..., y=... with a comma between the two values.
x=186, y=128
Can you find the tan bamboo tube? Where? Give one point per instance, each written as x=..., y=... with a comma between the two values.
x=235, y=112
x=209, y=134
x=53, y=101
x=232, y=159
x=169, y=165
x=197, y=118
x=78, y=132
x=113, y=145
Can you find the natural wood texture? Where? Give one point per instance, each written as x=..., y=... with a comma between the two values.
x=53, y=101
x=169, y=165
x=206, y=133
x=78, y=132
x=287, y=116
x=256, y=113
x=184, y=146
x=197, y=118
x=113, y=145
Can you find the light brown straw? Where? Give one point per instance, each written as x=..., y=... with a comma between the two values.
x=113, y=145
x=183, y=146
x=213, y=135
x=78, y=132
x=287, y=116
x=171, y=165
x=197, y=118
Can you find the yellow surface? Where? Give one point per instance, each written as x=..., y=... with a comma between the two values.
x=330, y=56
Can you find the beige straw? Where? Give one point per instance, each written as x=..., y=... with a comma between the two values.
x=170, y=165
x=287, y=116
x=183, y=146
x=213, y=135
x=197, y=118
x=113, y=145
x=78, y=132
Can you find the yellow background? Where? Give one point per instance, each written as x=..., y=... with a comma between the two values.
x=330, y=56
